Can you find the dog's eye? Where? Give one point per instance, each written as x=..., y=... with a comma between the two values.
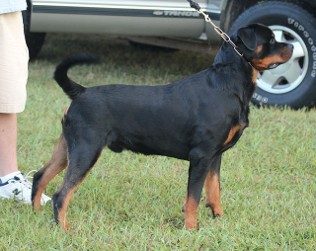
x=272, y=40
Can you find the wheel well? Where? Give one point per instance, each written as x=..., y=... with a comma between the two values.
x=232, y=9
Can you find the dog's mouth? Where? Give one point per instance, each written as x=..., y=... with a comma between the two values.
x=265, y=64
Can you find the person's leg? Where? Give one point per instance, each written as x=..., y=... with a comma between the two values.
x=13, y=79
x=13, y=184
x=8, y=139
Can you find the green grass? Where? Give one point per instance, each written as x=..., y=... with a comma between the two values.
x=133, y=202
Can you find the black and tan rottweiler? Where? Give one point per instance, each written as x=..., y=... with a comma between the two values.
x=194, y=119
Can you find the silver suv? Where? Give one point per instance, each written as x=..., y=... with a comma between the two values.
x=174, y=24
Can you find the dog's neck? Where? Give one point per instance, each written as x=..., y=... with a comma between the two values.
x=227, y=55
x=230, y=56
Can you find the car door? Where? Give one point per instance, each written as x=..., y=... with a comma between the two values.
x=148, y=18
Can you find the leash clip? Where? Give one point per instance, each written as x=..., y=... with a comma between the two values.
x=194, y=5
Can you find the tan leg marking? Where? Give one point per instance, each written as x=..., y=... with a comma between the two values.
x=213, y=197
x=62, y=211
x=190, y=212
x=57, y=163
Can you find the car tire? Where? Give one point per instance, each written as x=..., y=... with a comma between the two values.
x=294, y=83
x=34, y=40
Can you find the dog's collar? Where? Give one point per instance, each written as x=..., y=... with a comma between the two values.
x=249, y=62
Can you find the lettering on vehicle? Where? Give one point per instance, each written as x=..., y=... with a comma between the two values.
x=175, y=13
x=310, y=42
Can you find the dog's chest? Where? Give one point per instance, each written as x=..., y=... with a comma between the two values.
x=237, y=128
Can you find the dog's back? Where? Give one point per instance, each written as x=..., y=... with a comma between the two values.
x=147, y=119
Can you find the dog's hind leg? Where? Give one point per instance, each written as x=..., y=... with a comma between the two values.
x=212, y=187
x=81, y=160
x=57, y=163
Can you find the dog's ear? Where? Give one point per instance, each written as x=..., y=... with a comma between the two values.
x=248, y=36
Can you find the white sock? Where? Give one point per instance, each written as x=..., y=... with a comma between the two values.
x=9, y=176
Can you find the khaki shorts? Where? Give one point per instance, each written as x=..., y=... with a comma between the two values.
x=14, y=59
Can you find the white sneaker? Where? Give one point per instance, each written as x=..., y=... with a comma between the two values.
x=19, y=189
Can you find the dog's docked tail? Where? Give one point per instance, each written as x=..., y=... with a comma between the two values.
x=71, y=88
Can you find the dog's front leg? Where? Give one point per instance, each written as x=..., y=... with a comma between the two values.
x=197, y=173
x=212, y=188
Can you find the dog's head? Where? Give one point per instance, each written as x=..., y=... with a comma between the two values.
x=258, y=45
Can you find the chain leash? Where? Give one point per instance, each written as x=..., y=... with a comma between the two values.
x=217, y=29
